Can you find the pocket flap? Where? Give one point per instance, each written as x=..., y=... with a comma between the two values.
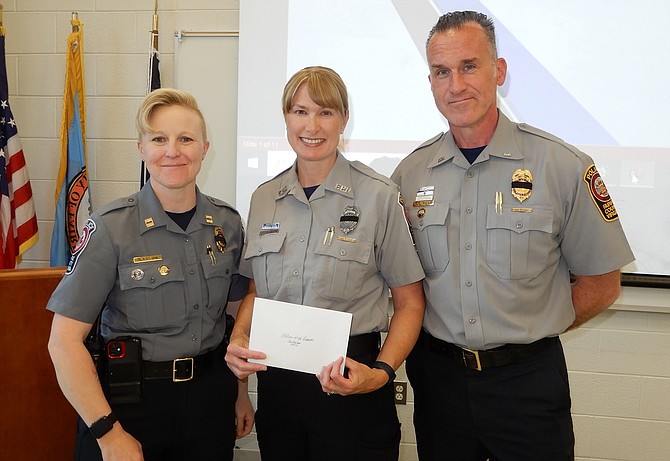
x=519, y=222
x=432, y=215
x=149, y=275
x=268, y=243
x=347, y=251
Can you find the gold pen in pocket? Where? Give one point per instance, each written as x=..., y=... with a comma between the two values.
x=211, y=254
x=328, y=238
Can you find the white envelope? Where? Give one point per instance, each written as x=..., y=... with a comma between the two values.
x=296, y=337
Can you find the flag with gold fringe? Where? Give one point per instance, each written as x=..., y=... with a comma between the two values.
x=18, y=222
x=72, y=195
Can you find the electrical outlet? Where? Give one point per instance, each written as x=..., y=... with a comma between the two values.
x=400, y=388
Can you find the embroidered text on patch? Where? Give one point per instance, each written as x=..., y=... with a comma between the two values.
x=599, y=194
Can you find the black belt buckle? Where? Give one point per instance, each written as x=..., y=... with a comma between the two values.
x=182, y=369
x=471, y=359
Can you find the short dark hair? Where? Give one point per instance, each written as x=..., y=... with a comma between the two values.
x=457, y=19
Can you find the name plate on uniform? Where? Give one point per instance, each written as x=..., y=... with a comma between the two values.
x=299, y=338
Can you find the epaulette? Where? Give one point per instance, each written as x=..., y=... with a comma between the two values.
x=432, y=140
x=123, y=202
x=369, y=171
x=275, y=176
x=548, y=136
x=220, y=203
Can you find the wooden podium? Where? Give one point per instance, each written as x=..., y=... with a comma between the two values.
x=36, y=422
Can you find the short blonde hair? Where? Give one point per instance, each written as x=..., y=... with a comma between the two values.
x=324, y=86
x=165, y=97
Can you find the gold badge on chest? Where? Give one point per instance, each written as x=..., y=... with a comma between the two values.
x=522, y=184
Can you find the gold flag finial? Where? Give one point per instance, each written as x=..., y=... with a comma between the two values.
x=154, y=29
x=75, y=21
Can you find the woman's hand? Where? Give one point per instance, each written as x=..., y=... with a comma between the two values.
x=118, y=445
x=361, y=378
x=237, y=355
x=244, y=410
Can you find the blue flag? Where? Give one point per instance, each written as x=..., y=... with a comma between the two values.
x=72, y=197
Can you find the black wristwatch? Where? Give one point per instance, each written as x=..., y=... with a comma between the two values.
x=386, y=367
x=103, y=425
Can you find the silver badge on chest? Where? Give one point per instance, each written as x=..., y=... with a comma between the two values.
x=137, y=274
x=349, y=218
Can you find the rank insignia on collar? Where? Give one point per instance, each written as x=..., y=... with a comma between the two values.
x=209, y=219
x=522, y=184
x=219, y=239
x=149, y=222
x=349, y=218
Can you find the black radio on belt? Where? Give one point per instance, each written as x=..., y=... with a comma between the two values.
x=124, y=369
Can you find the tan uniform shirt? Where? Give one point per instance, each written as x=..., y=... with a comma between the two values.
x=341, y=249
x=498, y=238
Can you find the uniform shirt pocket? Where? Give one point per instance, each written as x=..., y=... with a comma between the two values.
x=429, y=228
x=341, y=269
x=267, y=260
x=217, y=277
x=518, y=244
x=152, y=295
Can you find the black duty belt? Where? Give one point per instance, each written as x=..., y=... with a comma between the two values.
x=480, y=359
x=364, y=344
x=185, y=368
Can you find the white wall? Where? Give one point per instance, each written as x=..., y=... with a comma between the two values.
x=619, y=368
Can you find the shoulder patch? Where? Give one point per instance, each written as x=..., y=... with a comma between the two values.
x=599, y=194
x=86, y=233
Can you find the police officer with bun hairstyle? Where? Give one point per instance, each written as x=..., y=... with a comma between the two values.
x=329, y=233
x=162, y=262
x=501, y=214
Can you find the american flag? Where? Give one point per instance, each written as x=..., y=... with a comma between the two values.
x=18, y=222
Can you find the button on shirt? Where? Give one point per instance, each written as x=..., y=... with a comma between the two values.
x=497, y=275
x=158, y=281
x=298, y=252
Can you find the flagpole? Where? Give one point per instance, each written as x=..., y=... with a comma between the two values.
x=154, y=45
x=153, y=78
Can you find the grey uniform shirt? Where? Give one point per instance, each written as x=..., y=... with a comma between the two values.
x=293, y=257
x=500, y=274
x=158, y=281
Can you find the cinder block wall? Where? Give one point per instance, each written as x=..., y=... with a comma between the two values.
x=619, y=367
